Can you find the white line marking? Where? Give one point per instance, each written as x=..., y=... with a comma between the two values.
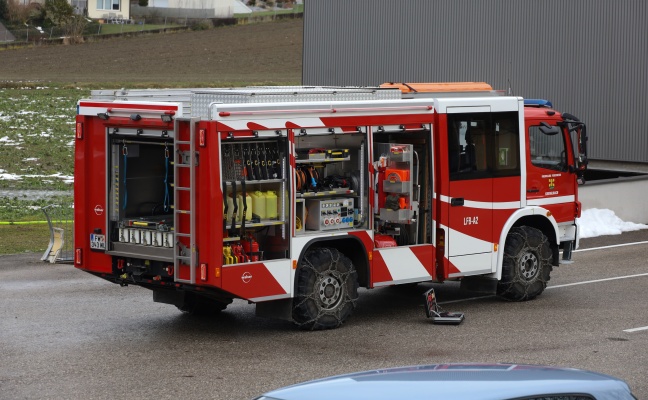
x=553, y=287
x=571, y=284
x=597, y=280
x=611, y=246
x=643, y=328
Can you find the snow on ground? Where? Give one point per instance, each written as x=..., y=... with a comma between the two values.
x=7, y=177
x=14, y=177
x=599, y=222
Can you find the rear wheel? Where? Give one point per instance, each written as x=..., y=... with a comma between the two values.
x=527, y=264
x=327, y=288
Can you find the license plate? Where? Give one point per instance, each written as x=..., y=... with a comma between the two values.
x=97, y=242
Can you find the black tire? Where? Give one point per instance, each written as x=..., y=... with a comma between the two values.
x=527, y=264
x=327, y=289
x=201, y=305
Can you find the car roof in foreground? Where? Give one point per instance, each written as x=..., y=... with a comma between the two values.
x=458, y=381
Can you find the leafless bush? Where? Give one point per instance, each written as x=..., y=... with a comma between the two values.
x=16, y=12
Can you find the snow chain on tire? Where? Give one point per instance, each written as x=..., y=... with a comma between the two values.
x=327, y=290
x=527, y=264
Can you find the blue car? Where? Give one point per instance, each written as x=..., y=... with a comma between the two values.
x=461, y=382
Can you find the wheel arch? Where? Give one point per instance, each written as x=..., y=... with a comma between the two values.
x=534, y=217
x=351, y=246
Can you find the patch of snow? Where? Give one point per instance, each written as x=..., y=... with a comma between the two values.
x=8, y=142
x=599, y=222
x=16, y=177
x=9, y=177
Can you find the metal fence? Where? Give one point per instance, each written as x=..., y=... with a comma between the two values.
x=36, y=36
x=61, y=228
x=33, y=35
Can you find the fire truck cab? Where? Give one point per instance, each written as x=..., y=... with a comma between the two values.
x=293, y=197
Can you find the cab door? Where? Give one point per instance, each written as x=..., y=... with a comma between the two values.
x=550, y=184
x=470, y=194
x=484, y=184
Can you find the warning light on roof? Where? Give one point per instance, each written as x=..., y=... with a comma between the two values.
x=538, y=103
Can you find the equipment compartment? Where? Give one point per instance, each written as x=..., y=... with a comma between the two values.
x=141, y=198
x=255, y=202
x=330, y=171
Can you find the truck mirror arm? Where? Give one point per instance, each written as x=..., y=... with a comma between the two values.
x=549, y=130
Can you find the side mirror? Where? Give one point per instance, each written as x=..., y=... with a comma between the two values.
x=549, y=130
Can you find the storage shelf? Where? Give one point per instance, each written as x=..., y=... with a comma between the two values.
x=323, y=161
x=324, y=193
x=257, y=224
x=402, y=215
x=238, y=182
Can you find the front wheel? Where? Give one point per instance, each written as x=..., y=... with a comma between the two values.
x=327, y=288
x=527, y=264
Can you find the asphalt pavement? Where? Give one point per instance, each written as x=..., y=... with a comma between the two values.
x=67, y=334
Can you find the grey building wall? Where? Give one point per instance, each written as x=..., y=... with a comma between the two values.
x=589, y=57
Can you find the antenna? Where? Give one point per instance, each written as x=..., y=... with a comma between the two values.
x=510, y=89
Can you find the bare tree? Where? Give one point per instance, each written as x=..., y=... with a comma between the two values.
x=61, y=14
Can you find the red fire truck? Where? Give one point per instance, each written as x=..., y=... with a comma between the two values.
x=294, y=197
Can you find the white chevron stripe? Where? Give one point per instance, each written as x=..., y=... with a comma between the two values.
x=460, y=244
x=472, y=264
x=403, y=264
x=281, y=271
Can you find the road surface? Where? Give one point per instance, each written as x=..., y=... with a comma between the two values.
x=67, y=334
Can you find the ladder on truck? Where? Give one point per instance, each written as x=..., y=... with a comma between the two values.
x=185, y=251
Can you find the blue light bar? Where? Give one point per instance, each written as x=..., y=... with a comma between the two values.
x=538, y=103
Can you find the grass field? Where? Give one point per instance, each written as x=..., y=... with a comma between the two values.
x=259, y=53
x=36, y=137
x=36, y=153
x=107, y=29
x=23, y=238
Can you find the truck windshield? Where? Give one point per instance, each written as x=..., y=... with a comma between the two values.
x=547, y=151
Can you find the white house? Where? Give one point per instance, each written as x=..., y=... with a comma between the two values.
x=105, y=9
x=201, y=8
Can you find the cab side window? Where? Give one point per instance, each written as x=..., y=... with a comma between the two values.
x=547, y=151
x=467, y=146
x=483, y=145
x=506, y=144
